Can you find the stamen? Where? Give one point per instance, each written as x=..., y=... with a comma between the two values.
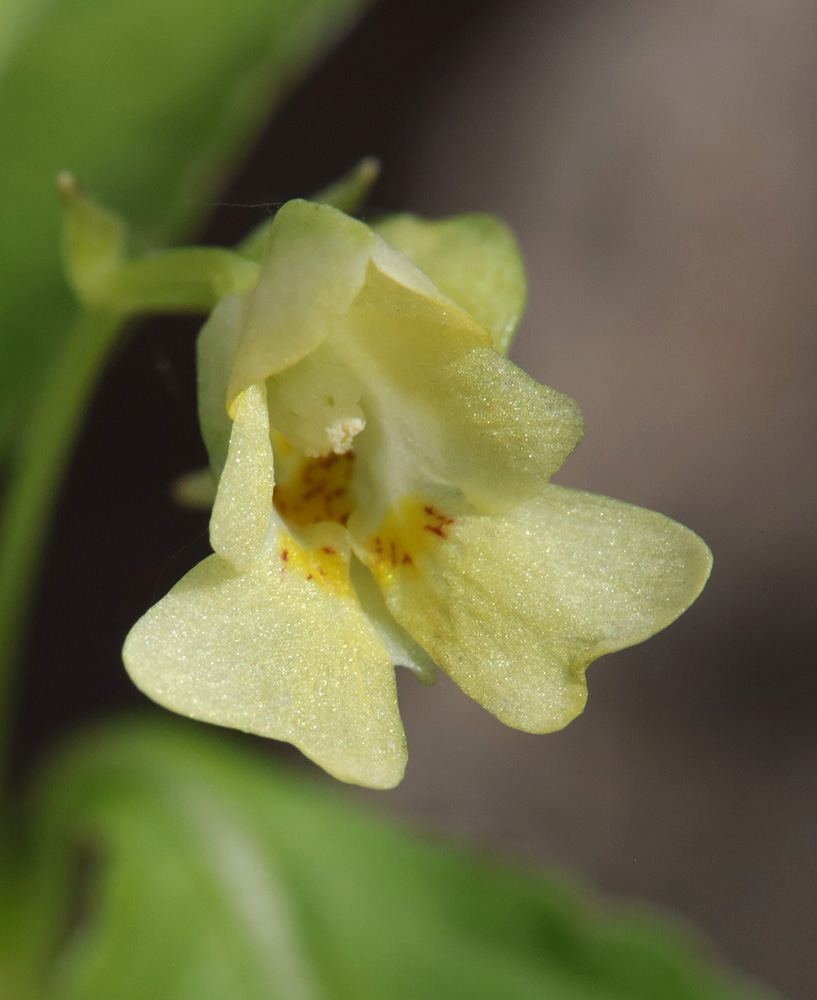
x=341, y=434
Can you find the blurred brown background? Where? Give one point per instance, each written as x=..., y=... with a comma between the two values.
x=657, y=162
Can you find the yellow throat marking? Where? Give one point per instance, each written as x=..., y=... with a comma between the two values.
x=324, y=566
x=407, y=533
x=317, y=491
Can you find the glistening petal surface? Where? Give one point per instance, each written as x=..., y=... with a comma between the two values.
x=515, y=607
x=242, y=512
x=444, y=407
x=270, y=652
x=412, y=520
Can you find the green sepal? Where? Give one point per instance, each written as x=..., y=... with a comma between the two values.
x=94, y=241
x=474, y=259
x=195, y=490
x=348, y=193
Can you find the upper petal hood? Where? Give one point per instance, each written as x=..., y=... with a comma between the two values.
x=314, y=264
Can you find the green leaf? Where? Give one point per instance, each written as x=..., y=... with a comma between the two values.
x=473, y=259
x=148, y=104
x=210, y=874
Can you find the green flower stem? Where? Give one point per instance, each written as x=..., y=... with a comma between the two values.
x=190, y=279
x=33, y=487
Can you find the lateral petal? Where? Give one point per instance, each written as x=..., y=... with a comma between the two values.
x=515, y=607
x=276, y=653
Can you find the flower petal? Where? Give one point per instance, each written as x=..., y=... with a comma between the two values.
x=473, y=259
x=242, y=512
x=314, y=404
x=515, y=607
x=443, y=407
x=214, y=351
x=403, y=650
x=272, y=652
x=314, y=264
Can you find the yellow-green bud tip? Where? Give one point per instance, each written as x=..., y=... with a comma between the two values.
x=68, y=187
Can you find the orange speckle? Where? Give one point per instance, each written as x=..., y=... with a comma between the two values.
x=403, y=539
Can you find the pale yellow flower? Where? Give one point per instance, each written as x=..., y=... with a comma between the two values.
x=383, y=498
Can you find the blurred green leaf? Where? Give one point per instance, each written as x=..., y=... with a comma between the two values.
x=194, y=870
x=148, y=104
